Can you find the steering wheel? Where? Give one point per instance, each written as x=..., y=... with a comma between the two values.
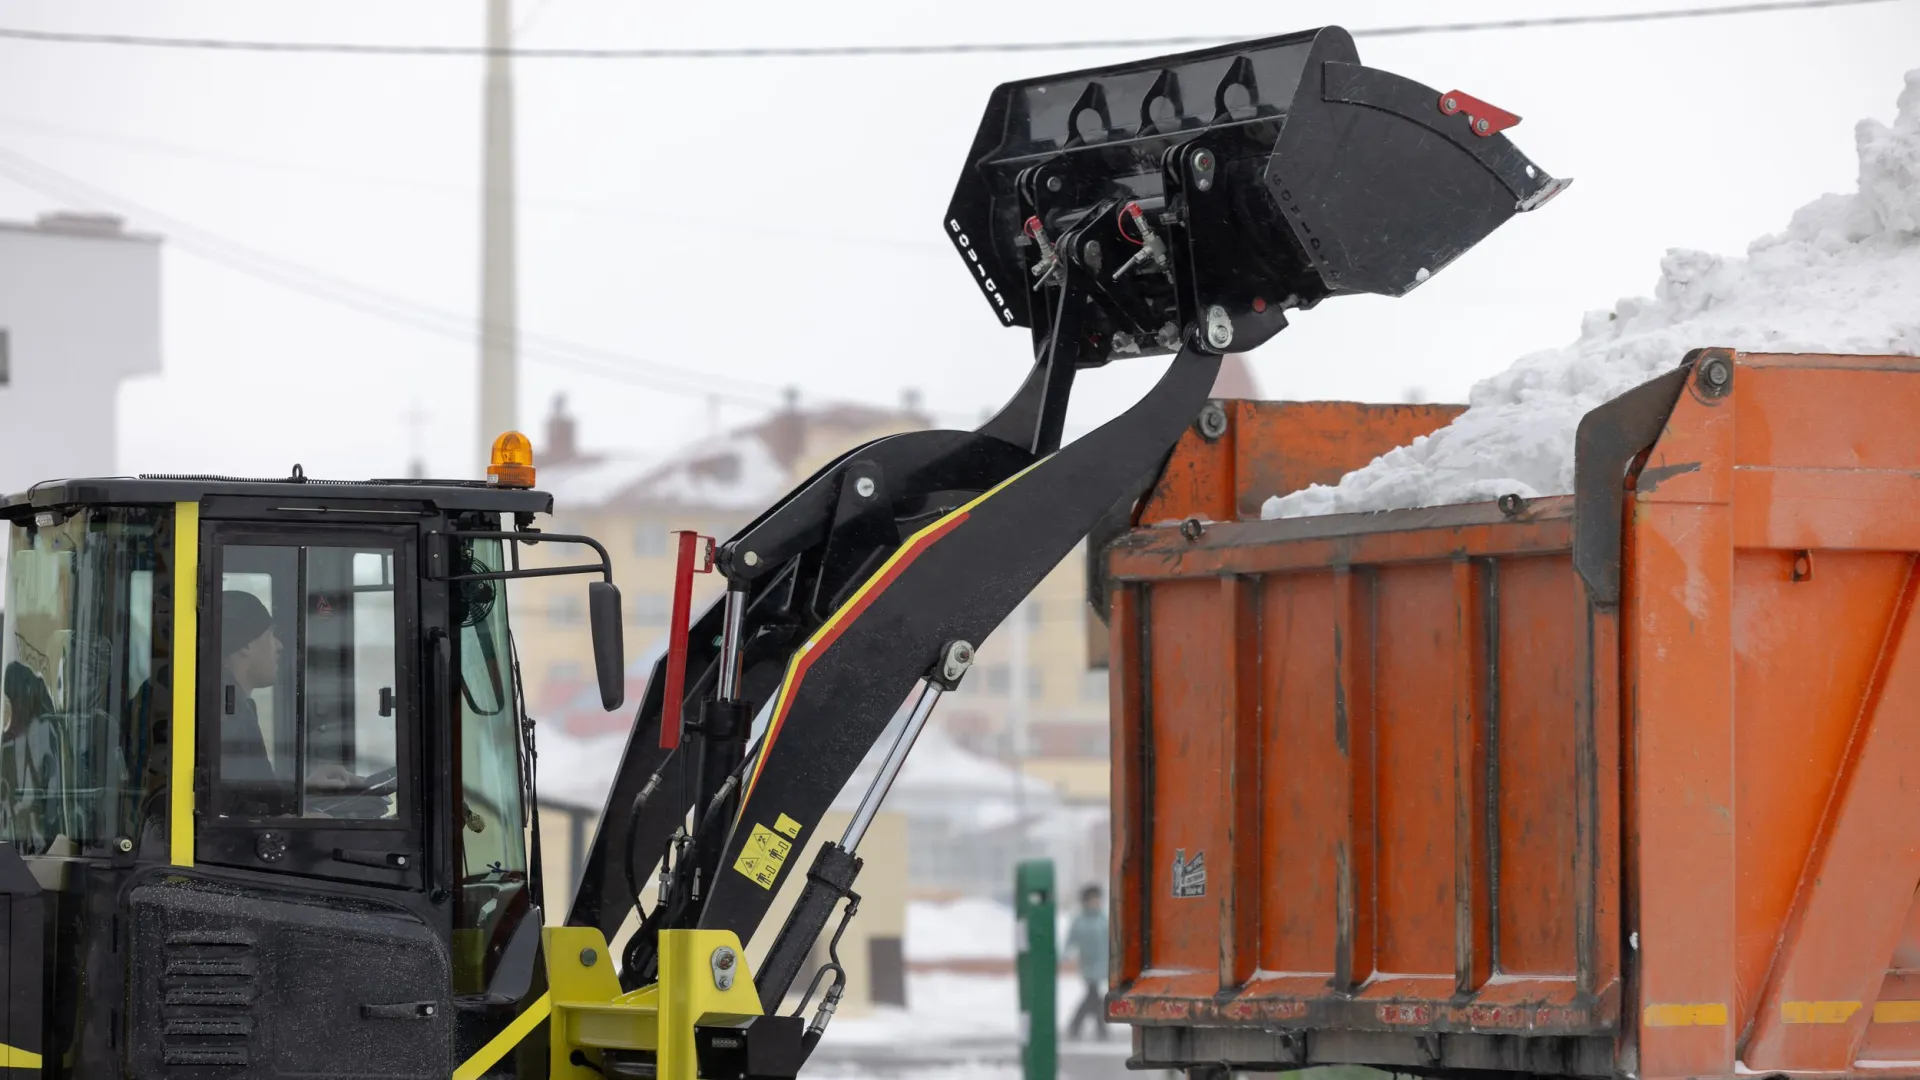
x=381, y=784
x=362, y=802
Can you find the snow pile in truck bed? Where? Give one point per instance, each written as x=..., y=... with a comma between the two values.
x=1843, y=278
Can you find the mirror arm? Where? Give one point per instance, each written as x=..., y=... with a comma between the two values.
x=604, y=567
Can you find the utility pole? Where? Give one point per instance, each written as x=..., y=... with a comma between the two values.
x=1017, y=720
x=499, y=330
x=416, y=456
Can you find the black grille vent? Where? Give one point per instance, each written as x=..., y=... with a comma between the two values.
x=208, y=992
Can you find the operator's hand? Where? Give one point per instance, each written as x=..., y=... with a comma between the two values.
x=332, y=778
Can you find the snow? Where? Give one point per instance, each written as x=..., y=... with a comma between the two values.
x=736, y=473
x=947, y=1008
x=593, y=481
x=1842, y=278
x=940, y=766
x=959, y=1071
x=577, y=772
x=964, y=929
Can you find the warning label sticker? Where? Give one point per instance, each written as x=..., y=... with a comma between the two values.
x=1189, y=875
x=765, y=853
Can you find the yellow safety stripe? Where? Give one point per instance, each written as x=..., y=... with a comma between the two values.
x=186, y=629
x=476, y=1066
x=1710, y=1014
x=15, y=1058
x=790, y=681
x=1818, y=1012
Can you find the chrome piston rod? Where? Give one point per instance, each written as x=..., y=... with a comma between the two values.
x=890, y=768
x=954, y=662
x=735, y=618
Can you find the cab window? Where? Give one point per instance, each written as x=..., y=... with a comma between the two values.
x=307, y=700
x=492, y=866
x=78, y=657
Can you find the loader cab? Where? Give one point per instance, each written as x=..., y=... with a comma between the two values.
x=265, y=762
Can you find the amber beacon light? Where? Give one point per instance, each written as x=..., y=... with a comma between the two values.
x=512, y=464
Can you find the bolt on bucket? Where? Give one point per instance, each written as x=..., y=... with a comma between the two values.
x=1198, y=197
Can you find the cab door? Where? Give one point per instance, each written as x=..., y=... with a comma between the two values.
x=304, y=941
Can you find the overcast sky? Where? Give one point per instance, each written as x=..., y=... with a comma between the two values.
x=765, y=222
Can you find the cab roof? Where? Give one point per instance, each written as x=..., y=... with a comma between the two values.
x=449, y=495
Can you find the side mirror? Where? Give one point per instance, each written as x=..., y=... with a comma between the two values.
x=609, y=647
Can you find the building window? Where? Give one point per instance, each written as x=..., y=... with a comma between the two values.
x=1035, y=614
x=563, y=674
x=996, y=679
x=651, y=609
x=1093, y=685
x=567, y=609
x=1036, y=682
x=650, y=541
x=6, y=359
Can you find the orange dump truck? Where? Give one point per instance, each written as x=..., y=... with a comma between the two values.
x=1620, y=783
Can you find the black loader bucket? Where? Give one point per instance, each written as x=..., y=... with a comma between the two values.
x=1197, y=197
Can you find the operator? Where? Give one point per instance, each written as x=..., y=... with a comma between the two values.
x=250, y=661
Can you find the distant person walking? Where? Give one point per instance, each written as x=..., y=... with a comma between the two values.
x=1087, y=942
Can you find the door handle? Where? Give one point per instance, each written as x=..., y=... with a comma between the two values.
x=404, y=1010
x=385, y=860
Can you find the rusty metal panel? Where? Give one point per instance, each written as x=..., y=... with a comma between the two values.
x=1307, y=824
x=1679, y=610
x=1356, y=720
x=1238, y=868
x=1129, y=776
x=1414, y=753
x=1274, y=447
x=1473, y=715
x=1799, y=412
x=1444, y=772
x=1375, y=682
x=1281, y=447
x=1447, y=782
x=1186, y=803
x=1787, y=694
x=1847, y=920
x=1537, y=615
x=1893, y=1031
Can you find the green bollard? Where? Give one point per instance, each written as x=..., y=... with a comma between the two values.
x=1038, y=968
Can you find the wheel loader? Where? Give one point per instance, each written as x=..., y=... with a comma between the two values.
x=265, y=775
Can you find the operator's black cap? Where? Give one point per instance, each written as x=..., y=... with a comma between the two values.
x=243, y=618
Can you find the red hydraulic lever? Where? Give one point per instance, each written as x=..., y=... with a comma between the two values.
x=1483, y=118
x=696, y=557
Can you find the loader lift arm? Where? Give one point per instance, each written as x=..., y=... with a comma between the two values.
x=1179, y=207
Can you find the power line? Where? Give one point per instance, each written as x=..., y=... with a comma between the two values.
x=577, y=207
x=542, y=348
x=555, y=352
x=842, y=51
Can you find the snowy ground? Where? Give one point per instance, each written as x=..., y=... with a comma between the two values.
x=960, y=1071
x=947, y=1007
x=960, y=1027
x=1842, y=278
